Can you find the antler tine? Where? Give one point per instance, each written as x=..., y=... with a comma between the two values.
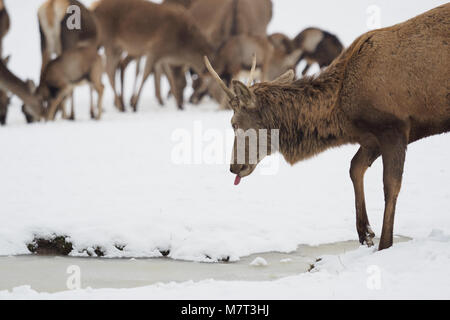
x=214, y=74
x=252, y=71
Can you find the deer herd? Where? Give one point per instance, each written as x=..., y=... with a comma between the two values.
x=388, y=89
x=168, y=39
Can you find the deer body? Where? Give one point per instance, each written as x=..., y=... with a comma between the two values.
x=75, y=51
x=388, y=89
x=318, y=46
x=57, y=40
x=162, y=33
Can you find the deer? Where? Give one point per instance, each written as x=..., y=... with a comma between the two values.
x=318, y=46
x=71, y=69
x=9, y=82
x=222, y=19
x=235, y=58
x=164, y=34
x=4, y=28
x=4, y=24
x=367, y=96
x=58, y=36
x=174, y=73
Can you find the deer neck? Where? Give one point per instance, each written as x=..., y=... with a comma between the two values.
x=307, y=115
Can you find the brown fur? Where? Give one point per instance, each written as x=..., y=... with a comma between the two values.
x=236, y=56
x=318, y=46
x=4, y=25
x=11, y=83
x=67, y=71
x=57, y=39
x=221, y=19
x=368, y=96
x=162, y=33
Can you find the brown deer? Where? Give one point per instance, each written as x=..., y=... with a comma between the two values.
x=4, y=24
x=58, y=35
x=69, y=70
x=175, y=73
x=162, y=33
x=368, y=96
x=220, y=20
x=318, y=46
x=234, y=59
x=11, y=83
x=4, y=28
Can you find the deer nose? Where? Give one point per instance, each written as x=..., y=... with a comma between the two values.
x=237, y=168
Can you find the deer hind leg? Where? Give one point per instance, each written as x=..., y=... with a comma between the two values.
x=113, y=56
x=177, y=92
x=56, y=103
x=360, y=163
x=148, y=69
x=393, y=149
x=72, y=107
x=158, y=73
x=97, y=85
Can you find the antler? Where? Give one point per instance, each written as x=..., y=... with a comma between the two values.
x=252, y=71
x=214, y=74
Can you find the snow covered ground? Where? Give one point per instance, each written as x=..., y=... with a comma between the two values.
x=123, y=182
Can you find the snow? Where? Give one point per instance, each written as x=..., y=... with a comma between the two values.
x=412, y=270
x=120, y=181
x=259, y=262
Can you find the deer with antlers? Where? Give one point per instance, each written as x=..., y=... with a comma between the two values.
x=367, y=96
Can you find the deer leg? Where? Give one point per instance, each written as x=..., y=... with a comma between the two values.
x=173, y=86
x=360, y=163
x=157, y=75
x=305, y=71
x=123, y=66
x=72, y=107
x=55, y=103
x=149, y=64
x=112, y=62
x=393, y=150
x=95, y=78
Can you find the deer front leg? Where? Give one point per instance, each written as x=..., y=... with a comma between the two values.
x=55, y=103
x=148, y=69
x=393, y=150
x=360, y=163
x=157, y=75
x=112, y=62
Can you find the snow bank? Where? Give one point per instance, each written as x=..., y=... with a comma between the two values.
x=413, y=270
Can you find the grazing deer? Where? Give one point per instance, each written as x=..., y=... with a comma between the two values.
x=177, y=72
x=368, y=96
x=11, y=83
x=162, y=33
x=318, y=47
x=69, y=70
x=221, y=19
x=58, y=35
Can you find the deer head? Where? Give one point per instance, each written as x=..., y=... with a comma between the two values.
x=251, y=145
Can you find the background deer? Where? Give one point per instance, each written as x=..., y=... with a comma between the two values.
x=318, y=46
x=57, y=37
x=164, y=34
x=367, y=96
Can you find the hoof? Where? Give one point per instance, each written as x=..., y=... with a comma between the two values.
x=366, y=237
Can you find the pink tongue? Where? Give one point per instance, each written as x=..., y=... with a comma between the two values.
x=237, y=180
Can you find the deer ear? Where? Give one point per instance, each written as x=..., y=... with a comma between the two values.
x=243, y=93
x=286, y=78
